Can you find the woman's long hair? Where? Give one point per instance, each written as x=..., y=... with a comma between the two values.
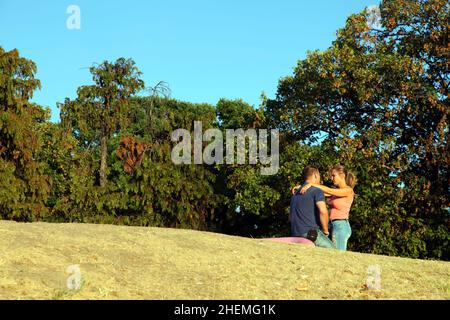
x=350, y=178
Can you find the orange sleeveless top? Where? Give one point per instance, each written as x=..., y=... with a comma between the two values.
x=340, y=207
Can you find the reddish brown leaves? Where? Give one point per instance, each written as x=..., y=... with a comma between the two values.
x=131, y=152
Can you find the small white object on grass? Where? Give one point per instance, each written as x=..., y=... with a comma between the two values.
x=74, y=280
x=373, y=281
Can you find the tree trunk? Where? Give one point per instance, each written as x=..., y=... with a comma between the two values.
x=103, y=159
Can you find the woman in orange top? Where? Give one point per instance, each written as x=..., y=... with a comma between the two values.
x=340, y=201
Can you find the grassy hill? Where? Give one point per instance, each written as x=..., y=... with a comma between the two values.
x=119, y=262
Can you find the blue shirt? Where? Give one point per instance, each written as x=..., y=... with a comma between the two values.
x=304, y=213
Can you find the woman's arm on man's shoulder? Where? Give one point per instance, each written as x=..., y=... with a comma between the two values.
x=344, y=192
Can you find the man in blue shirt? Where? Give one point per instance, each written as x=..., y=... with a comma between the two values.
x=309, y=213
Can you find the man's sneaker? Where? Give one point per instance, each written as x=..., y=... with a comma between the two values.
x=312, y=235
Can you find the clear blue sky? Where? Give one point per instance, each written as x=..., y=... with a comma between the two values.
x=204, y=49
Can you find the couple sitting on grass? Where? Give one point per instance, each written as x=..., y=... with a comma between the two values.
x=309, y=214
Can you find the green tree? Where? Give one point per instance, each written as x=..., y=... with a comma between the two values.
x=24, y=186
x=101, y=109
x=159, y=192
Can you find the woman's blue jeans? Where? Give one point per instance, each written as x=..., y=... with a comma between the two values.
x=340, y=231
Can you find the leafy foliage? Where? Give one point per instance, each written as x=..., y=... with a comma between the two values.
x=24, y=186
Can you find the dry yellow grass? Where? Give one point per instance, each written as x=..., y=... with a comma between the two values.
x=119, y=262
